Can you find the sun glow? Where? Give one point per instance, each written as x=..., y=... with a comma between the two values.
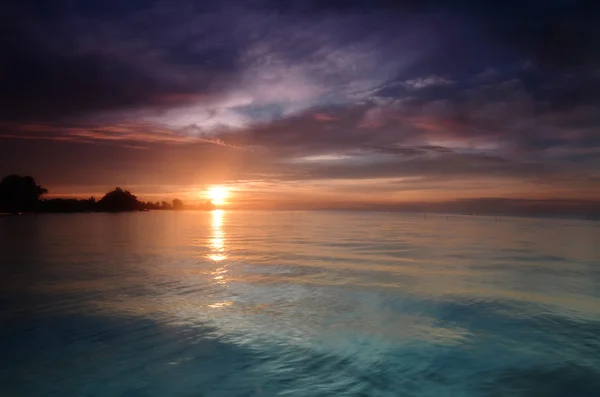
x=218, y=195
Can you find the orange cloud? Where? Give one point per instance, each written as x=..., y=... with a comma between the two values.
x=125, y=134
x=324, y=117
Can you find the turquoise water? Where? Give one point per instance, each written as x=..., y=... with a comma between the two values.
x=228, y=303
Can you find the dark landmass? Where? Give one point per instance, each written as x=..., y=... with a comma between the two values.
x=21, y=194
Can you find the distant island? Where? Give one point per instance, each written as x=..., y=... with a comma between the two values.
x=21, y=194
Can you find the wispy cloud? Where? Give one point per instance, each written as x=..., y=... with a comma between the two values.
x=426, y=82
x=126, y=134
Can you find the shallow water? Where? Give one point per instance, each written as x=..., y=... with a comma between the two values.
x=229, y=303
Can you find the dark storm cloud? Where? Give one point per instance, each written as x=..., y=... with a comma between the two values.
x=76, y=58
x=65, y=61
x=182, y=63
x=561, y=35
x=314, y=89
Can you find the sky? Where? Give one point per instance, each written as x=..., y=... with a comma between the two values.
x=306, y=104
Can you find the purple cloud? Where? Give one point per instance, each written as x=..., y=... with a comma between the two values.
x=426, y=82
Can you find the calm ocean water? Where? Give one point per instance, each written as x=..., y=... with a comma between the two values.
x=228, y=303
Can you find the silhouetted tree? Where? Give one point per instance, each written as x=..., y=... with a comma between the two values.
x=119, y=200
x=149, y=205
x=177, y=204
x=20, y=194
x=165, y=206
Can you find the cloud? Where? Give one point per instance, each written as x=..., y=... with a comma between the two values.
x=310, y=91
x=426, y=82
x=324, y=117
x=177, y=64
x=136, y=135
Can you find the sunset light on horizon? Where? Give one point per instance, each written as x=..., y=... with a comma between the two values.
x=218, y=195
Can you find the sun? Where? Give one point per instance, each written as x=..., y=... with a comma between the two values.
x=218, y=194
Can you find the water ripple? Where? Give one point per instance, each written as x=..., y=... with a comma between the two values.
x=298, y=304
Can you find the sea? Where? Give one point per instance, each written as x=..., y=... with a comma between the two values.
x=234, y=303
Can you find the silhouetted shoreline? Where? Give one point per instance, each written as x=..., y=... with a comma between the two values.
x=21, y=195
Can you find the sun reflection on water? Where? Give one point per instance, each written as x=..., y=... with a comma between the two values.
x=219, y=305
x=217, y=241
x=217, y=246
